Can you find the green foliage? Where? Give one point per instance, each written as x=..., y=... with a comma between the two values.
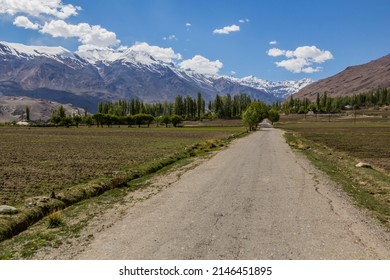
x=176, y=119
x=255, y=113
x=140, y=119
x=188, y=108
x=77, y=120
x=165, y=120
x=273, y=116
x=27, y=113
x=55, y=220
x=326, y=104
x=66, y=121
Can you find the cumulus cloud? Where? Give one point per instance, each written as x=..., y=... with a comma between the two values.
x=276, y=52
x=201, y=65
x=227, y=29
x=163, y=54
x=273, y=42
x=87, y=34
x=22, y=21
x=301, y=59
x=38, y=7
x=50, y=18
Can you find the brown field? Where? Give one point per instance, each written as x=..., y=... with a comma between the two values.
x=36, y=161
x=336, y=146
x=364, y=138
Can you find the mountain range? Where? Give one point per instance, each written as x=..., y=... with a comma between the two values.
x=353, y=80
x=88, y=77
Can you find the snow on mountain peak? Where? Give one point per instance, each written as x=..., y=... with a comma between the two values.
x=149, y=58
x=32, y=51
x=108, y=55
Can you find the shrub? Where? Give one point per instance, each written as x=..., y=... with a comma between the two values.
x=55, y=220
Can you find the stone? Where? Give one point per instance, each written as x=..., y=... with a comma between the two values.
x=363, y=165
x=5, y=209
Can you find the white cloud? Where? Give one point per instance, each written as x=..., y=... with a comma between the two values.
x=227, y=29
x=22, y=21
x=243, y=20
x=37, y=8
x=273, y=42
x=301, y=59
x=188, y=24
x=46, y=10
x=201, y=65
x=87, y=34
x=163, y=54
x=275, y=52
x=170, y=37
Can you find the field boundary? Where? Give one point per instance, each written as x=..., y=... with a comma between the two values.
x=11, y=225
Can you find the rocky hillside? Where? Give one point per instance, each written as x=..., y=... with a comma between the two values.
x=14, y=109
x=353, y=80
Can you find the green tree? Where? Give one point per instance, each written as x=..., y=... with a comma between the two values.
x=129, y=120
x=61, y=112
x=77, y=120
x=176, y=119
x=88, y=120
x=165, y=120
x=142, y=118
x=255, y=113
x=55, y=120
x=27, y=113
x=273, y=116
x=99, y=119
x=67, y=121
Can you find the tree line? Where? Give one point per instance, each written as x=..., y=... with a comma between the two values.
x=188, y=108
x=326, y=104
x=136, y=112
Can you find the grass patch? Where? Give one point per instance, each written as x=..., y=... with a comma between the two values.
x=55, y=220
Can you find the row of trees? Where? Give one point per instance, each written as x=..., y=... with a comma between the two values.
x=188, y=108
x=59, y=118
x=257, y=112
x=135, y=112
x=326, y=104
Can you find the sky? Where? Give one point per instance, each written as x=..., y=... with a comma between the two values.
x=271, y=39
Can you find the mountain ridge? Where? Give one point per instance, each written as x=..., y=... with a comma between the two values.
x=94, y=75
x=352, y=80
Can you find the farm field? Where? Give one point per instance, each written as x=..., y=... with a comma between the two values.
x=336, y=146
x=36, y=161
x=366, y=139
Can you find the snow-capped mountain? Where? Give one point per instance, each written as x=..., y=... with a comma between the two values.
x=91, y=75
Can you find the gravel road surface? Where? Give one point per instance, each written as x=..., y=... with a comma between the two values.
x=255, y=200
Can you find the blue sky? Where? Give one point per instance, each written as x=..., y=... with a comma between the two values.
x=273, y=40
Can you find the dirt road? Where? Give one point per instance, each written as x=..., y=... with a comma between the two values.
x=255, y=200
